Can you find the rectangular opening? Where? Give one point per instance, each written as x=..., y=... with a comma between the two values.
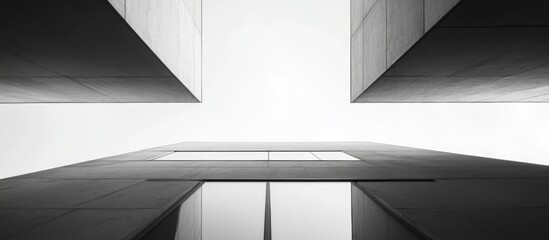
x=258, y=156
x=216, y=156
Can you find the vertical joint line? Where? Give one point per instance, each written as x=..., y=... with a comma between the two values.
x=267, y=231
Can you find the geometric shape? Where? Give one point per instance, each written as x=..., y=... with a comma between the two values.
x=375, y=49
x=15, y=221
x=435, y=10
x=79, y=51
x=190, y=218
x=478, y=52
x=404, y=26
x=277, y=156
x=41, y=193
x=311, y=211
x=233, y=211
x=169, y=29
x=148, y=194
x=92, y=224
x=334, y=156
x=215, y=156
x=357, y=62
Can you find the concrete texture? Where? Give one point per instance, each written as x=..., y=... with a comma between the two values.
x=170, y=28
x=435, y=10
x=85, y=209
x=409, y=192
x=79, y=51
x=375, y=43
x=190, y=218
x=480, y=52
x=120, y=6
x=404, y=26
x=471, y=208
x=389, y=29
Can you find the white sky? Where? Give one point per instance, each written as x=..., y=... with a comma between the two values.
x=311, y=210
x=272, y=71
x=233, y=210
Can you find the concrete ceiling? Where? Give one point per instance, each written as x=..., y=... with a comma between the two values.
x=78, y=51
x=480, y=51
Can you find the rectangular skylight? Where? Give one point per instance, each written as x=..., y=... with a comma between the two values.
x=257, y=156
x=298, y=156
x=334, y=156
x=222, y=156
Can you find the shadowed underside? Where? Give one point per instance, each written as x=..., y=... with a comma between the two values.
x=78, y=51
x=481, y=51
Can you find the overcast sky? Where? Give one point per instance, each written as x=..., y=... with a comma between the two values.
x=272, y=71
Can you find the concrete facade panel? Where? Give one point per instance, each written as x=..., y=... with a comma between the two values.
x=481, y=224
x=397, y=231
x=39, y=56
x=120, y=6
x=17, y=221
x=93, y=224
x=170, y=31
x=357, y=63
x=357, y=15
x=435, y=10
x=190, y=218
x=404, y=26
x=55, y=193
x=375, y=43
x=166, y=194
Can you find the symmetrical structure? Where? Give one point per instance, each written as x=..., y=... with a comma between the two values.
x=86, y=51
x=395, y=193
x=449, y=51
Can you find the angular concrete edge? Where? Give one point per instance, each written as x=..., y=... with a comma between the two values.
x=389, y=29
x=84, y=52
x=173, y=30
x=389, y=219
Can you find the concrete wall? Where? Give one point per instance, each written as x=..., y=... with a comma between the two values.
x=372, y=222
x=480, y=52
x=79, y=52
x=173, y=30
x=383, y=30
x=406, y=193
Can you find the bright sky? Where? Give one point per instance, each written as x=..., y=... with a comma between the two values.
x=272, y=71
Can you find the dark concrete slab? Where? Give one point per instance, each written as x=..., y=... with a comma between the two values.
x=485, y=13
x=138, y=155
x=16, y=221
x=482, y=172
x=149, y=194
x=481, y=224
x=464, y=193
x=56, y=193
x=93, y=224
x=397, y=231
x=78, y=51
x=480, y=52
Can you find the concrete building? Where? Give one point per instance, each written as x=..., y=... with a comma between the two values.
x=279, y=191
x=86, y=51
x=449, y=51
x=401, y=51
